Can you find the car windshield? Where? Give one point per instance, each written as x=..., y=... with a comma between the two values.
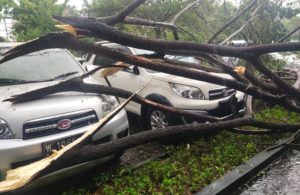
x=182, y=59
x=177, y=58
x=4, y=49
x=171, y=57
x=45, y=65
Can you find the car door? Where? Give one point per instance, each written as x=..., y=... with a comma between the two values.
x=127, y=79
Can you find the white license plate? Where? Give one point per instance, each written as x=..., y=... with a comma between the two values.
x=57, y=144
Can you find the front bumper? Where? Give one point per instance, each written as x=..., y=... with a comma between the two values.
x=15, y=152
x=227, y=109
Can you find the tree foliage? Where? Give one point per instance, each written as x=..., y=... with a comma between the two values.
x=5, y=7
x=33, y=17
x=203, y=19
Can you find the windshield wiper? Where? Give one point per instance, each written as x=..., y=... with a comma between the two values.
x=6, y=81
x=65, y=75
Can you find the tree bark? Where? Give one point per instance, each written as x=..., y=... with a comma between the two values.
x=92, y=152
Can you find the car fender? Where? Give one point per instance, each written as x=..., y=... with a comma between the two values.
x=156, y=98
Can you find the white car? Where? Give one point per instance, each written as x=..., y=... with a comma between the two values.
x=31, y=130
x=183, y=93
x=4, y=46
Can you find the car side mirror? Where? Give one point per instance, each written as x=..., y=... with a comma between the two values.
x=135, y=70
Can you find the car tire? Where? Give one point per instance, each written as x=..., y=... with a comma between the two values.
x=156, y=118
x=166, y=119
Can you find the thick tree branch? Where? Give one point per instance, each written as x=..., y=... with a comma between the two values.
x=192, y=65
x=120, y=16
x=58, y=40
x=76, y=84
x=263, y=85
x=94, y=28
x=144, y=22
x=92, y=152
x=65, y=40
x=277, y=80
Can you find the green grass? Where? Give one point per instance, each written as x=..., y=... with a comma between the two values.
x=190, y=166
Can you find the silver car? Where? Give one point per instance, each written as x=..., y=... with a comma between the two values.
x=31, y=130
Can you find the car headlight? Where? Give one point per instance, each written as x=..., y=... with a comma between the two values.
x=187, y=91
x=5, y=131
x=109, y=103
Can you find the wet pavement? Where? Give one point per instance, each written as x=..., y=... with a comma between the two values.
x=281, y=177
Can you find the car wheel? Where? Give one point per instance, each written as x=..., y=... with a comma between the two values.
x=160, y=119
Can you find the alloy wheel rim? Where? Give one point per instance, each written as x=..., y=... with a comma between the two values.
x=158, y=120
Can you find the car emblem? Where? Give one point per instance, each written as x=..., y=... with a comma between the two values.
x=224, y=92
x=64, y=124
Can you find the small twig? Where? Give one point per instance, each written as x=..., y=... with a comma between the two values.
x=232, y=20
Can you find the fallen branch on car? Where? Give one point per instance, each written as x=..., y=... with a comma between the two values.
x=65, y=40
x=91, y=152
x=19, y=177
x=97, y=29
x=81, y=151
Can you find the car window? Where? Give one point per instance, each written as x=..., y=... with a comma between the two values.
x=88, y=57
x=104, y=61
x=142, y=51
x=182, y=58
x=39, y=66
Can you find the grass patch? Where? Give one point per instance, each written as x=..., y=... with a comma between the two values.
x=191, y=165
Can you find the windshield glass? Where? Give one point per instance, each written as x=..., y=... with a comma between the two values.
x=177, y=58
x=4, y=49
x=142, y=51
x=182, y=59
x=45, y=65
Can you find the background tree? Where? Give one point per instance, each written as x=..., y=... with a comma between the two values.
x=5, y=12
x=291, y=24
x=33, y=17
x=202, y=19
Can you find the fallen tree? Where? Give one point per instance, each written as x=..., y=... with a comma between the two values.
x=278, y=91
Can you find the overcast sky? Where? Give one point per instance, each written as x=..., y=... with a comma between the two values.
x=77, y=3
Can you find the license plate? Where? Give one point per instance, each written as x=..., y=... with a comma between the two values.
x=229, y=106
x=57, y=144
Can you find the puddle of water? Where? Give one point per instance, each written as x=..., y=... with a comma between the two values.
x=282, y=177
